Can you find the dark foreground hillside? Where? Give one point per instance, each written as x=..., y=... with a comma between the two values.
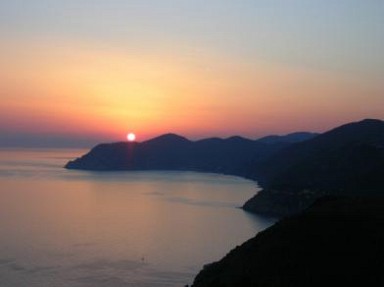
x=336, y=242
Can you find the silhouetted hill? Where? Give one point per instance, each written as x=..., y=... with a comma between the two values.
x=168, y=140
x=173, y=152
x=289, y=138
x=348, y=160
x=336, y=242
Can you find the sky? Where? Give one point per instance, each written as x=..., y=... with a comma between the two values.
x=80, y=72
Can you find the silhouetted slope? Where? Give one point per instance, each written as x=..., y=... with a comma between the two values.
x=366, y=131
x=164, y=152
x=348, y=160
x=168, y=140
x=336, y=242
x=106, y=157
x=289, y=138
x=173, y=152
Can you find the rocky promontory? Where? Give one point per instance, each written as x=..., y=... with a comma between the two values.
x=233, y=155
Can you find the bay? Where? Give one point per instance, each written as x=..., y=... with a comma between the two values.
x=63, y=227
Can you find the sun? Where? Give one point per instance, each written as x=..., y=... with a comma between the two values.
x=131, y=137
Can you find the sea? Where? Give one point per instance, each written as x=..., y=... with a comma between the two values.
x=69, y=228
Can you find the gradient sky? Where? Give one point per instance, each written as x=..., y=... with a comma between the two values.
x=77, y=72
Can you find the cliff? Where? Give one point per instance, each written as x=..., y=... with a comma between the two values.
x=336, y=242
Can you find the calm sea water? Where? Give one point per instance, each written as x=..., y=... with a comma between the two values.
x=76, y=228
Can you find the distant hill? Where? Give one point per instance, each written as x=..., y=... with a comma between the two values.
x=173, y=152
x=348, y=160
x=336, y=242
x=289, y=138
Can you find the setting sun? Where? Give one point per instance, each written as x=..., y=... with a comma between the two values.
x=131, y=137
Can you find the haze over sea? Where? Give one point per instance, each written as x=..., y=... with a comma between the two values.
x=74, y=228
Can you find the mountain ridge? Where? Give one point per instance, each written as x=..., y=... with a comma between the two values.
x=291, y=137
x=171, y=151
x=347, y=160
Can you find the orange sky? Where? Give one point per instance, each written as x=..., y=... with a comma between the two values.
x=74, y=89
x=79, y=88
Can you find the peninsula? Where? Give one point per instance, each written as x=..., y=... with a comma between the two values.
x=329, y=188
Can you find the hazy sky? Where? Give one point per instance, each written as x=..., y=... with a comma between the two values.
x=82, y=71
